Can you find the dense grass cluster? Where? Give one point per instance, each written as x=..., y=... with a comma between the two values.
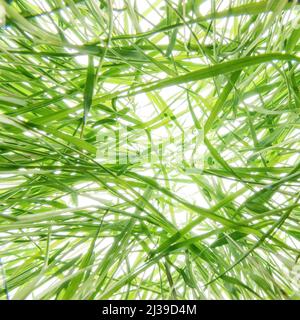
x=76, y=227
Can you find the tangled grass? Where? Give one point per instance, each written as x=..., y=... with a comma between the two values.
x=73, y=226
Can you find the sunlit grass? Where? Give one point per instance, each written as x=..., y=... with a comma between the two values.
x=74, y=225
